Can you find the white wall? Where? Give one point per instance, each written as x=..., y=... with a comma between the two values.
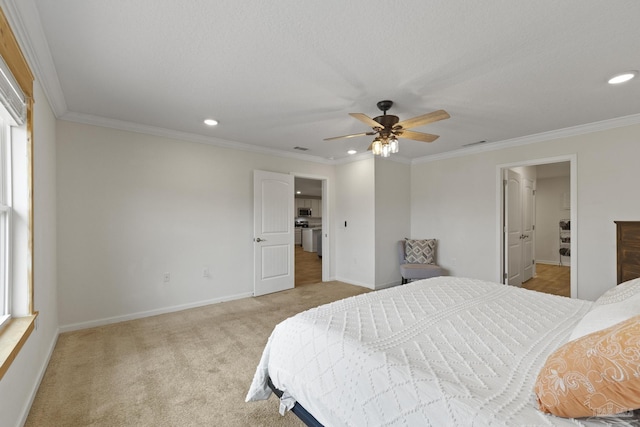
x=550, y=210
x=455, y=200
x=355, y=204
x=392, y=218
x=19, y=384
x=134, y=206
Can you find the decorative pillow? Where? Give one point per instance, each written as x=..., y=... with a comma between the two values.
x=605, y=315
x=619, y=293
x=596, y=375
x=420, y=251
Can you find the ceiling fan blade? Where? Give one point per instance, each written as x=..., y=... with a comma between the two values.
x=366, y=119
x=418, y=136
x=423, y=120
x=350, y=136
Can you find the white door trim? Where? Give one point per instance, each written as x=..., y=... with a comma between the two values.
x=573, y=162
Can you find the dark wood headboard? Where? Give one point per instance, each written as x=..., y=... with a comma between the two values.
x=628, y=249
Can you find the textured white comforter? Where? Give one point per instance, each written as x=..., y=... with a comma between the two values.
x=439, y=352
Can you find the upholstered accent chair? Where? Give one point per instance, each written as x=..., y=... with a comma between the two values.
x=418, y=267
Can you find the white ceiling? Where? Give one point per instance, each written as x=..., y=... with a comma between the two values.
x=286, y=73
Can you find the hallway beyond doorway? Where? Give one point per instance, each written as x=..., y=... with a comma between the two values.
x=551, y=279
x=308, y=267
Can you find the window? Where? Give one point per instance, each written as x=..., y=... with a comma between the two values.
x=5, y=216
x=16, y=211
x=13, y=111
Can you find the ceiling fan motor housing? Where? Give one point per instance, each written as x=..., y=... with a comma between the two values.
x=387, y=121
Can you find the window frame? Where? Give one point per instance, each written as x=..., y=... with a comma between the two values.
x=15, y=333
x=5, y=218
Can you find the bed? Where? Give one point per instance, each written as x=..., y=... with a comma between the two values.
x=444, y=351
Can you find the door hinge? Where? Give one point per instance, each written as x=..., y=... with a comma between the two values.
x=533, y=262
x=533, y=227
x=504, y=182
x=504, y=276
x=534, y=192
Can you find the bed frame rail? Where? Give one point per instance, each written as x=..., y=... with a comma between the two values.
x=297, y=409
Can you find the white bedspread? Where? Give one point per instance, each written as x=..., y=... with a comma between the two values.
x=438, y=352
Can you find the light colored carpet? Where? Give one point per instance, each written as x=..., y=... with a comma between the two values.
x=189, y=368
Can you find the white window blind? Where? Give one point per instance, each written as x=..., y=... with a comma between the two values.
x=11, y=96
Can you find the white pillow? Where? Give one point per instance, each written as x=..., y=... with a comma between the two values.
x=619, y=293
x=602, y=316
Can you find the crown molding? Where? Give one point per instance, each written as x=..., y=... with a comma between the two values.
x=25, y=22
x=186, y=136
x=603, y=125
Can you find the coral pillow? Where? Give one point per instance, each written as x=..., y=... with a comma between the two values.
x=596, y=375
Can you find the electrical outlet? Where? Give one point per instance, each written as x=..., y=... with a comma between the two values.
x=205, y=272
x=166, y=277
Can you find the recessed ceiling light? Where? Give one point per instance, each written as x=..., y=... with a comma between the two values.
x=210, y=122
x=621, y=78
x=298, y=192
x=351, y=152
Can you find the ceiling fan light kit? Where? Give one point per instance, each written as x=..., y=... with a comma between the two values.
x=388, y=128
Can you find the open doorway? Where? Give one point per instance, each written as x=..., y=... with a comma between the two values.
x=309, y=236
x=537, y=225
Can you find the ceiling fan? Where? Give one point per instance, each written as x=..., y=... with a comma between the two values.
x=389, y=128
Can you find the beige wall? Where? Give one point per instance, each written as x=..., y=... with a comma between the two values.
x=355, y=204
x=455, y=200
x=134, y=206
x=19, y=384
x=550, y=210
x=392, y=218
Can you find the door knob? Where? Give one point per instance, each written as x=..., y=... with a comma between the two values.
x=260, y=240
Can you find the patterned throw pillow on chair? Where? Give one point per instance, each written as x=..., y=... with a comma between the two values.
x=420, y=251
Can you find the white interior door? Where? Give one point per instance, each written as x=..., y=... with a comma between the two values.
x=527, y=229
x=513, y=229
x=273, y=223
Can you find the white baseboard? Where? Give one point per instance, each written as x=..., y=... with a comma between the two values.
x=142, y=314
x=36, y=385
x=548, y=262
x=352, y=282
x=388, y=285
